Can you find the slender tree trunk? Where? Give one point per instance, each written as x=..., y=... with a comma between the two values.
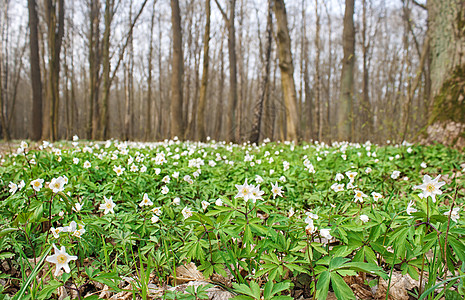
x=220, y=102
x=148, y=116
x=365, y=117
x=177, y=121
x=344, y=124
x=287, y=71
x=94, y=68
x=36, y=81
x=160, y=86
x=258, y=109
x=203, y=87
x=318, y=106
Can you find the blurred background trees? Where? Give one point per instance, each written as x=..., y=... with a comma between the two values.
x=232, y=70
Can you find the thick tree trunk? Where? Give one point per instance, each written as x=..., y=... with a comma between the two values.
x=287, y=71
x=258, y=109
x=447, y=48
x=177, y=121
x=55, y=24
x=345, y=109
x=231, y=122
x=101, y=122
x=36, y=81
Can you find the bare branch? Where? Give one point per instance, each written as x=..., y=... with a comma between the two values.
x=419, y=4
x=128, y=37
x=222, y=11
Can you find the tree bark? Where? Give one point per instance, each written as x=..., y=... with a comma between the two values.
x=94, y=67
x=258, y=109
x=447, y=48
x=55, y=24
x=287, y=71
x=232, y=96
x=318, y=118
x=148, y=116
x=204, y=83
x=36, y=81
x=344, y=120
x=177, y=121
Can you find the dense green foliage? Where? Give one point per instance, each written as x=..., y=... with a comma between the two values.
x=305, y=222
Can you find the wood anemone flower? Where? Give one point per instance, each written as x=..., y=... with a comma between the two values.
x=61, y=259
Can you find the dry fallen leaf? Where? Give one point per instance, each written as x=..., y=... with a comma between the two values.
x=186, y=273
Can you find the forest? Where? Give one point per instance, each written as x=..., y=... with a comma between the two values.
x=232, y=149
x=233, y=70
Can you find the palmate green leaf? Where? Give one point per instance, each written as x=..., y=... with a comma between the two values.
x=322, y=285
x=365, y=267
x=253, y=290
x=458, y=247
x=47, y=291
x=242, y=297
x=267, y=291
x=281, y=286
x=341, y=289
x=337, y=262
x=248, y=237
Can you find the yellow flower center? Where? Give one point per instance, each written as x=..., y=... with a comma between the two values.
x=430, y=188
x=359, y=194
x=108, y=205
x=61, y=259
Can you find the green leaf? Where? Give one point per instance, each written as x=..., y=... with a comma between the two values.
x=242, y=297
x=282, y=298
x=341, y=289
x=5, y=255
x=322, y=285
x=47, y=291
x=20, y=294
x=267, y=291
x=281, y=286
x=246, y=290
x=7, y=231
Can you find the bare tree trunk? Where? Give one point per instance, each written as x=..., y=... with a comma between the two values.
x=365, y=116
x=177, y=121
x=148, y=116
x=36, y=81
x=104, y=121
x=160, y=86
x=101, y=122
x=55, y=24
x=414, y=86
x=344, y=121
x=232, y=96
x=258, y=109
x=219, y=104
x=94, y=68
x=287, y=71
x=4, y=71
x=203, y=87
x=330, y=66
x=318, y=106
